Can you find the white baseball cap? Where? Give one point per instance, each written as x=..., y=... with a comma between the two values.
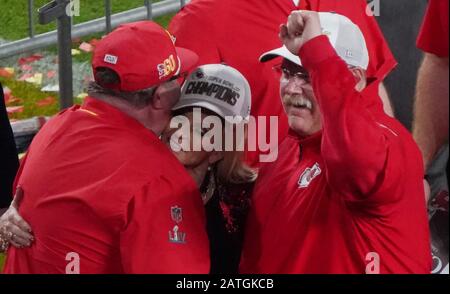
x=218, y=88
x=345, y=36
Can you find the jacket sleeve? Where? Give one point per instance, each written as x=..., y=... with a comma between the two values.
x=382, y=61
x=194, y=29
x=355, y=147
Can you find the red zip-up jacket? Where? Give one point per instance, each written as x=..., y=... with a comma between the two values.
x=349, y=199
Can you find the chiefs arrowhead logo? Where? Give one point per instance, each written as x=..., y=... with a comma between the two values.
x=309, y=175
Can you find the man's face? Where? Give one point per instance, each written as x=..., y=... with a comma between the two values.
x=298, y=99
x=169, y=93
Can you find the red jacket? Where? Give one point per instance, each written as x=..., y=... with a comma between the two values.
x=238, y=32
x=99, y=184
x=338, y=200
x=433, y=37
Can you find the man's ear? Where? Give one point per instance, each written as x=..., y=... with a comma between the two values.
x=157, y=102
x=215, y=156
x=361, y=78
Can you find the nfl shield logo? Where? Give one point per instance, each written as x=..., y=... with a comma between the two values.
x=177, y=214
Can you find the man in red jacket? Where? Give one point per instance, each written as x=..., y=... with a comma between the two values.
x=340, y=196
x=214, y=30
x=103, y=194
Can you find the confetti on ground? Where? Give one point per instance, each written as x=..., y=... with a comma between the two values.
x=51, y=74
x=25, y=77
x=82, y=96
x=26, y=67
x=50, y=88
x=6, y=72
x=14, y=109
x=86, y=47
x=46, y=101
x=14, y=99
x=35, y=79
x=75, y=52
x=94, y=42
x=30, y=59
x=7, y=94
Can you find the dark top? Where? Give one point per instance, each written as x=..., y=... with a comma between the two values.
x=226, y=215
x=9, y=162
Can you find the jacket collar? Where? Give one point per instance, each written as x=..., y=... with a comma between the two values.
x=313, y=140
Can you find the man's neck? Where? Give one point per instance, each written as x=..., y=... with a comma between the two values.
x=138, y=114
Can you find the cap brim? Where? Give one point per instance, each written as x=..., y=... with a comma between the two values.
x=280, y=52
x=188, y=59
x=183, y=103
x=225, y=114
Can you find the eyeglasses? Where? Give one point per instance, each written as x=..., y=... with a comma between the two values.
x=287, y=74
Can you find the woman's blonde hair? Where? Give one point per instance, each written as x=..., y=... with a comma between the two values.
x=233, y=169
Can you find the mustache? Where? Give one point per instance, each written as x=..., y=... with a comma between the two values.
x=300, y=101
x=290, y=100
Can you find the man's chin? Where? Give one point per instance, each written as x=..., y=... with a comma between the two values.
x=300, y=126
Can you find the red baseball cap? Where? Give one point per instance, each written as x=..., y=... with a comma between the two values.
x=143, y=54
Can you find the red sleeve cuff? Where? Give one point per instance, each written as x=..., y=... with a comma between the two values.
x=316, y=51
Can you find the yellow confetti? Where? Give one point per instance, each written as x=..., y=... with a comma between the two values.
x=10, y=70
x=36, y=79
x=75, y=52
x=82, y=96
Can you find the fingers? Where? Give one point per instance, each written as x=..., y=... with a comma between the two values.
x=15, y=218
x=295, y=24
x=19, y=241
x=17, y=197
x=18, y=234
x=283, y=32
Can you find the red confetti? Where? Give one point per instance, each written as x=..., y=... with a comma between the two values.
x=26, y=67
x=5, y=73
x=46, y=101
x=94, y=42
x=14, y=109
x=30, y=59
x=14, y=99
x=86, y=47
x=51, y=74
x=26, y=76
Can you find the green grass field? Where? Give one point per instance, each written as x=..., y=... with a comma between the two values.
x=14, y=15
x=2, y=260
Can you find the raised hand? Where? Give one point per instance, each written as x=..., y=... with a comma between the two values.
x=301, y=27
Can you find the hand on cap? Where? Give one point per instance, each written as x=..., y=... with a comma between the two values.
x=301, y=27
